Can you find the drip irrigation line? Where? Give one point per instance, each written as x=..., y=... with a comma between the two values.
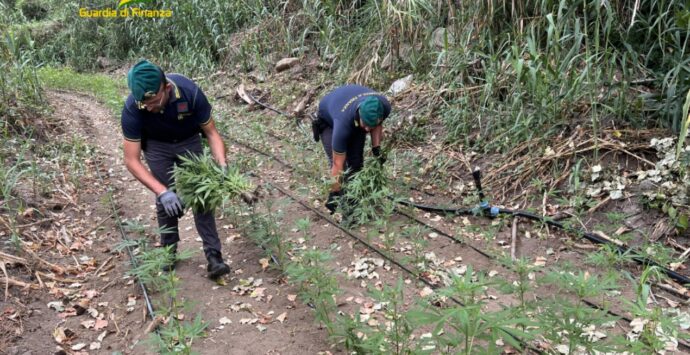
x=481, y=211
x=454, y=239
x=133, y=261
x=484, y=207
x=385, y=256
x=682, y=343
x=495, y=211
x=460, y=211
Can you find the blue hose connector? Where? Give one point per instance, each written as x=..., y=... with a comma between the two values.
x=494, y=211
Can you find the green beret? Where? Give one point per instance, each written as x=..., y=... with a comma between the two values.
x=144, y=79
x=371, y=111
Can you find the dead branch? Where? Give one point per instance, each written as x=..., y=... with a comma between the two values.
x=34, y=223
x=9, y=258
x=103, y=265
x=13, y=282
x=154, y=324
x=58, y=279
x=55, y=268
x=609, y=239
x=7, y=277
x=99, y=224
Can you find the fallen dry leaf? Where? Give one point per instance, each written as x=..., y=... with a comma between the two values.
x=264, y=264
x=100, y=324
x=291, y=298
x=258, y=293
x=281, y=317
x=131, y=301
x=540, y=261
x=426, y=291
x=225, y=320
x=59, y=335
x=88, y=324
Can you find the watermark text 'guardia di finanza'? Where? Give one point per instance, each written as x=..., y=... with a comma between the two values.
x=124, y=12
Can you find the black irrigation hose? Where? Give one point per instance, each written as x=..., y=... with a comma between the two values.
x=479, y=210
x=149, y=306
x=385, y=256
x=682, y=343
x=493, y=211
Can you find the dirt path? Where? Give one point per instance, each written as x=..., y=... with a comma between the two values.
x=297, y=334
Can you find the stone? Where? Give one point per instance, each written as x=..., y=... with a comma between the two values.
x=400, y=85
x=286, y=63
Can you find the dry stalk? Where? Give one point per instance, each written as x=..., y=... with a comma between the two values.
x=154, y=324
x=55, y=268
x=7, y=277
x=9, y=258
x=13, y=282
x=103, y=265
x=99, y=224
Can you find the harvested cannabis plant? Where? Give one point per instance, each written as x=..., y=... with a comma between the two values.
x=202, y=185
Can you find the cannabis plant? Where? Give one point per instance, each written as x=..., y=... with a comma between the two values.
x=202, y=185
x=367, y=195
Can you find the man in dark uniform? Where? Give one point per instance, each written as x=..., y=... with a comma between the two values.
x=345, y=116
x=165, y=116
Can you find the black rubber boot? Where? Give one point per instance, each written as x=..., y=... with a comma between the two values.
x=216, y=267
x=172, y=258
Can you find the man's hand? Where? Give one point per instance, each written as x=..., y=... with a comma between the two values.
x=376, y=151
x=171, y=203
x=333, y=200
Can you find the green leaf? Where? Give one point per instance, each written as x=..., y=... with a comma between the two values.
x=682, y=222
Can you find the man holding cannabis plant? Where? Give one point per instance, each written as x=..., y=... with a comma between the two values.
x=164, y=116
x=345, y=116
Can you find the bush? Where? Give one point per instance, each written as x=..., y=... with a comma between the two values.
x=33, y=9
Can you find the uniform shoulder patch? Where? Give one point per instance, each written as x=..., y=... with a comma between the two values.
x=182, y=107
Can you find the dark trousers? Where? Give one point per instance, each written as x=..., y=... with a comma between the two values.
x=161, y=158
x=354, y=155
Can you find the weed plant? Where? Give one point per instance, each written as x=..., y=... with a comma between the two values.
x=368, y=195
x=524, y=269
x=201, y=185
x=176, y=335
x=264, y=229
x=609, y=256
x=390, y=335
x=466, y=328
x=318, y=286
x=661, y=327
x=570, y=323
x=415, y=235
